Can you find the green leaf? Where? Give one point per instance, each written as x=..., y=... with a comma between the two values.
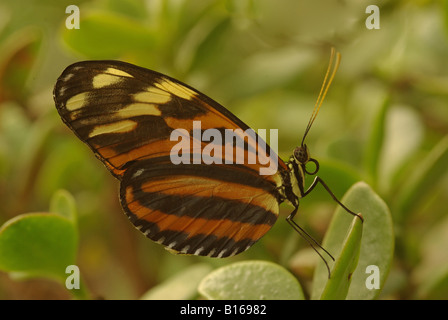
x=445, y=14
x=341, y=274
x=422, y=180
x=182, y=286
x=376, y=245
x=107, y=35
x=64, y=204
x=15, y=71
x=30, y=148
x=131, y=8
x=375, y=143
x=399, y=145
x=38, y=244
x=251, y=280
x=436, y=288
x=430, y=275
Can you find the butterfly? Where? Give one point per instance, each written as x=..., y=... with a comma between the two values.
x=127, y=116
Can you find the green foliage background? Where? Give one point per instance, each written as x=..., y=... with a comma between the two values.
x=384, y=121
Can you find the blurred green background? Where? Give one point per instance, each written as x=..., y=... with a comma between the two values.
x=384, y=121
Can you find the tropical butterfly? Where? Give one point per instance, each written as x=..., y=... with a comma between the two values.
x=127, y=115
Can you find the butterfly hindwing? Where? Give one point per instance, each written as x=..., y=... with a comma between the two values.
x=196, y=209
x=127, y=114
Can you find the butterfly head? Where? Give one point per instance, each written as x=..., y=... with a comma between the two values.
x=301, y=156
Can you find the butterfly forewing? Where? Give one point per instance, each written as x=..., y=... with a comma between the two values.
x=126, y=114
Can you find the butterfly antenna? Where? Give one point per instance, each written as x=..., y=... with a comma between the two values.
x=324, y=89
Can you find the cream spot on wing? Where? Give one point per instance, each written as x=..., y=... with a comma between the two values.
x=211, y=253
x=198, y=251
x=76, y=102
x=185, y=249
x=172, y=244
x=109, y=77
x=68, y=77
x=115, y=127
x=61, y=91
x=139, y=109
x=222, y=253
x=118, y=72
x=152, y=95
x=235, y=251
x=137, y=173
x=103, y=80
x=177, y=89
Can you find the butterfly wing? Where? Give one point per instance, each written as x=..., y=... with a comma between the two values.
x=121, y=111
x=211, y=210
x=126, y=115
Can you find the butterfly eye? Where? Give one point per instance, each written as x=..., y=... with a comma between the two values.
x=301, y=154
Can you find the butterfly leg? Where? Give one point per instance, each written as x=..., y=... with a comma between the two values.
x=317, y=180
x=311, y=241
